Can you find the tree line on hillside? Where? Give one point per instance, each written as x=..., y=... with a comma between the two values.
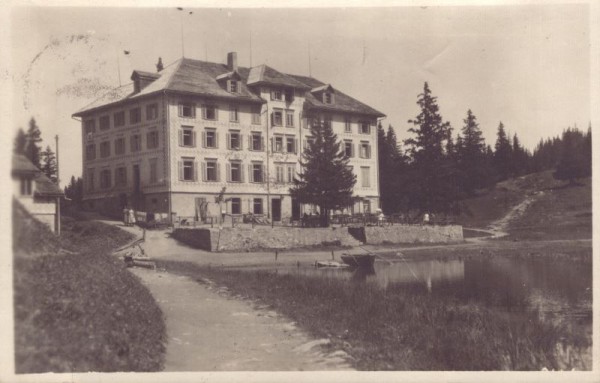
x=437, y=171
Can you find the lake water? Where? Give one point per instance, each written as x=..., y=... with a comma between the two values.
x=559, y=290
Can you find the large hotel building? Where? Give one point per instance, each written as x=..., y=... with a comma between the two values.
x=172, y=140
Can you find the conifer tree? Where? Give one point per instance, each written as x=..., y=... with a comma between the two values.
x=34, y=137
x=471, y=156
x=49, y=164
x=325, y=179
x=433, y=186
x=575, y=163
x=20, y=142
x=502, y=153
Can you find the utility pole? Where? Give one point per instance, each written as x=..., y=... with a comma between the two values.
x=57, y=184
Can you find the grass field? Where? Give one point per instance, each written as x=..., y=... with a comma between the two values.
x=77, y=308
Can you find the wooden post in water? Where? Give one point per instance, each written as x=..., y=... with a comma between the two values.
x=276, y=255
x=332, y=256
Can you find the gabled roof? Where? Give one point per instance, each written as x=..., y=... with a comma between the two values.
x=343, y=102
x=44, y=187
x=264, y=74
x=202, y=78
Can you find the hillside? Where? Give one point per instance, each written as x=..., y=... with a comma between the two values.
x=556, y=210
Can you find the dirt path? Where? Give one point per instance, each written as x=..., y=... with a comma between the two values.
x=498, y=228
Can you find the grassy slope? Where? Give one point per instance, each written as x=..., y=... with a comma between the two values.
x=559, y=212
x=80, y=309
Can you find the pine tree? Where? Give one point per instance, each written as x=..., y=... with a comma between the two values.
x=49, y=164
x=574, y=161
x=20, y=142
x=325, y=179
x=74, y=191
x=34, y=137
x=502, y=154
x=471, y=156
x=433, y=186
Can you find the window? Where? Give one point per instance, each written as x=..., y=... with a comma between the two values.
x=119, y=119
x=104, y=149
x=279, y=173
x=233, y=86
x=210, y=139
x=233, y=113
x=90, y=126
x=365, y=150
x=276, y=95
x=256, y=172
x=289, y=95
x=209, y=112
x=105, y=182
x=120, y=176
x=120, y=146
x=258, y=206
x=365, y=127
x=234, y=140
x=151, y=112
x=277, y=118
x=153, y=170
x=364, y=173
x=290, y=173
x=90, y=179
x=309, y=141
x=348, y=125
x=290, y=145
x=152, y=140
x=256, y=115
x=187, y=110
x=187, y=137
x=211, y=171
x=135, y=115
x=234, y=172
x=289, y=118
x=187, y=170
x=327, y=98
x=256, y=142
x=26, y=186
x=104, y=122
x=90, y=152
x=278, y=144
x=236, y=206
x=367, y=207
x=348, y=149
x=135, y=143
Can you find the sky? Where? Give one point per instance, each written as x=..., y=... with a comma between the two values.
x=525, y=65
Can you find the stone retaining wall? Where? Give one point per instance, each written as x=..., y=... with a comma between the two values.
x=231, y=239
x=376, y=235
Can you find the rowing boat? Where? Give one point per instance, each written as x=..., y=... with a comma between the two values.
x=359, y=260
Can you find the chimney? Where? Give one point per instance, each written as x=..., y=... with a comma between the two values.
x=232, y=61
x=159, y=65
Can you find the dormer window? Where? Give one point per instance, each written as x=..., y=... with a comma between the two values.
x=276, y=95
x=327, y=98
x=233, y=86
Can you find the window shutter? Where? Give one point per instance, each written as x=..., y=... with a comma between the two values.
x=195, y=171
x=203, y=111
x=241, y=173
x=272, y=118
x=295, y=146
x=203, y=171
x=228, y=141
x=262, y=143
x=180, y=110
x=272, y=145
x=204, y=139
x=194, y=138
x=180, y=167
x=218, y=172
x=262, y=173
x=241, y=143
x=228, y=168
x=352, y=150
x=250, y=175
x=368, y=151
x=216, y=140
x=216, y=114
x=250, y=142
x=180, y=137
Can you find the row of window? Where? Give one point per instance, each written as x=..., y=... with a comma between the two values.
x=211, y=112
x=118, y=120
x=364, y=149
x=364, y=127
x=106, y=180
x=210, y=171
x=135, y=145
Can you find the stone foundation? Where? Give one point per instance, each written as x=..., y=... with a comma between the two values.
x=376, y=235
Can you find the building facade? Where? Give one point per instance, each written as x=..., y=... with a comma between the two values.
x=172, y=141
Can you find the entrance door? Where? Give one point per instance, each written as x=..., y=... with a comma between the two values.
x=295, y=210
x=276, y=209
